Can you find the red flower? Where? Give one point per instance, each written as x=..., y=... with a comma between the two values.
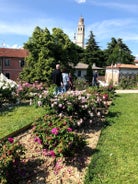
x=105, y=97
x=10, y=139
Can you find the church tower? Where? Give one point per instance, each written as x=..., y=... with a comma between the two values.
x=80, y=33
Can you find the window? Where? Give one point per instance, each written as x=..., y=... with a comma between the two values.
x=7, y=62
x=79, y=73
x=21, y=63
x=7, y=75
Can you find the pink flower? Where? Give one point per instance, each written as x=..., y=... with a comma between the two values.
x=69, y=129
x=54, y=131
x=44, y=152
x=37, y=139
x=10, y=139
x=51, y=153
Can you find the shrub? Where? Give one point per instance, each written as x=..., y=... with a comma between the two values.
x=27, y=90
x=128, y=82
x=10, y=157
x=81, y=84
x=56, y=136
x=7, y=91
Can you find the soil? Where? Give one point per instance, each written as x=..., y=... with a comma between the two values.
x=42, y=169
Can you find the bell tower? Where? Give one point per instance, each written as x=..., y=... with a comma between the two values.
x=80, y=33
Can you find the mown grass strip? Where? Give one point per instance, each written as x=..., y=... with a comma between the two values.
x=116, y=159
x=18, y=117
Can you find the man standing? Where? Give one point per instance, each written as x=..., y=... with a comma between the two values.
x=57, y=79
x=95, y=79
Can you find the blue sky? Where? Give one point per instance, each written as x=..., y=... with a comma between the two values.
x=105, y=18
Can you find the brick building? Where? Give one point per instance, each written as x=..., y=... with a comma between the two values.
x=12, y=62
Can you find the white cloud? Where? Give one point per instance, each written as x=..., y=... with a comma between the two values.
x=80, y=1
x=14, y=46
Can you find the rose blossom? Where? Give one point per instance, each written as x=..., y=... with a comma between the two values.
x=10, y=139
x=54, y=131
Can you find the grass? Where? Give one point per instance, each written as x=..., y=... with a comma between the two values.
x=116, y=158
x=18, y=117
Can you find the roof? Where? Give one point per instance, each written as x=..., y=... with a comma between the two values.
x=85, y=66
x=9, y=52
x=136, y=61
x=81, y=66
x=96, y=68
x=126, y=66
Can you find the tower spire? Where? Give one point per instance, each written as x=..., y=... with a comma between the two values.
x=80, y=33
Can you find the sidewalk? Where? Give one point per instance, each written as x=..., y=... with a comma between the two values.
x=127, y=91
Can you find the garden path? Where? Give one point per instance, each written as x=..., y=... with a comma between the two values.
x=127, y=91
x=41, y=169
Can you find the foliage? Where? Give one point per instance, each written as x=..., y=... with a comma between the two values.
x=11, y=153
x=117, y=158
x=45, y=51
x=58, y=130
x=118, y=52
x=7, y=91
x=27, y=90
x=109, y=90
x=81, y=84
x=43, y=97
x=82, y=106
x=56, y=136
x=73, y=105
x=128, y=82
x=89, y=75
x=93, y=54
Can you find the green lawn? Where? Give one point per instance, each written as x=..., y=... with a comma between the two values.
x=18, y=117
x=116, y=159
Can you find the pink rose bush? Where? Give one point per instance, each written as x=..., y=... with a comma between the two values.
x=11, y=154
x=55, y=134
x=58, y=131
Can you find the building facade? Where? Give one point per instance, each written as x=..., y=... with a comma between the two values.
x=117, y=72
x=12, y=62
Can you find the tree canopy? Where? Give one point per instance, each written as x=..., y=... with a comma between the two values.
x=93, y=53
x=118, y=52
x=45, y=51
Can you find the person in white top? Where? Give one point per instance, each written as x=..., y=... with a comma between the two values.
x=65, y=77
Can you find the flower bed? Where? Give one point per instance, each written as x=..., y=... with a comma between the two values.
x=60, y=133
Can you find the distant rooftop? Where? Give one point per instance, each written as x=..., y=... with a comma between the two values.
x=85, y=66
x=129, y=66
x=9, y=52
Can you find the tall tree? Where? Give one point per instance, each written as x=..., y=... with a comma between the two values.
x=45, y=51
x=118, y=52
x=89, y=74
x=93, y=53
x=65, y=51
